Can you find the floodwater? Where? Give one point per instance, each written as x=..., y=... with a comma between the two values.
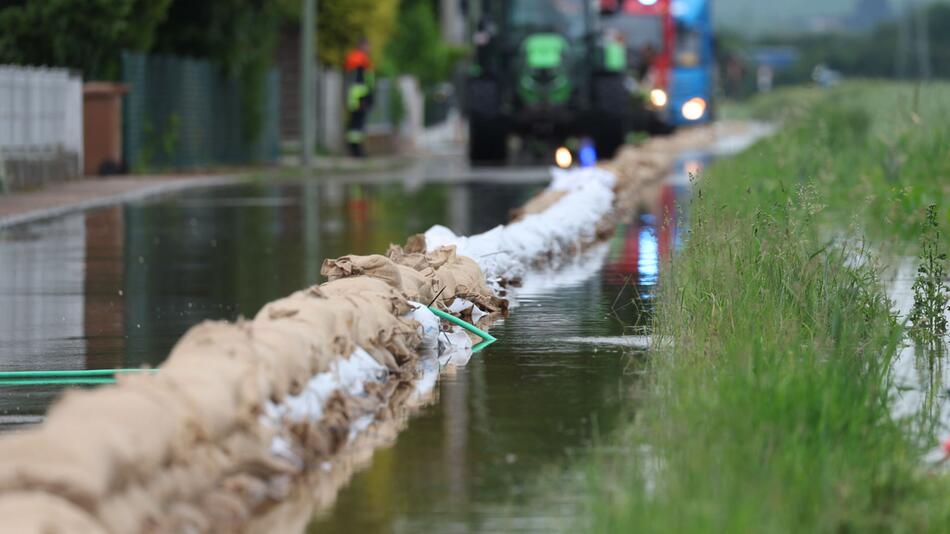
x=117, y=287
x=503, y=447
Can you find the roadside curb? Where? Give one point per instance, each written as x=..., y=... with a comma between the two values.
x=172, y=186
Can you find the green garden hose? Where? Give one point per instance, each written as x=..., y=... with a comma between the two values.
x=81, y=377
x=55, y=381
x=77, y=377
x=73, y=373
x=487, y=339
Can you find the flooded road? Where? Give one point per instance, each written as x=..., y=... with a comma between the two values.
x=117, y=287
x=504, y=445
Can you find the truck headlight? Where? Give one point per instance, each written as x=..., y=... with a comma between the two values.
x=694, y=109
x=658, y=98
x=563, y=157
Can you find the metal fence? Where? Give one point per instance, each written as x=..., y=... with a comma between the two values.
x=41, y=135
x=183, y=112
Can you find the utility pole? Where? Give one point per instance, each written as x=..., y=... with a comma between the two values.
x=903, y=40
x=453, y=21
x=308, y=24
x=319, y=120
x=923, y=41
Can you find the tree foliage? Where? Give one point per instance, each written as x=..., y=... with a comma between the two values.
x=239, y=35
x=342, y=23
x=233, y=33
x=86, y=35
x=869, y=55
x=417, y=47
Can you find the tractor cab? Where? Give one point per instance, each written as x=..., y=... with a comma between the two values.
x=544, y=72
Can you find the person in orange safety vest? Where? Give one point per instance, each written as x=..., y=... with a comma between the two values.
x=360, y=81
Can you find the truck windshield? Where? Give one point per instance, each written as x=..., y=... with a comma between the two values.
x=638, y=31
x=565, y=17
x=688, y=46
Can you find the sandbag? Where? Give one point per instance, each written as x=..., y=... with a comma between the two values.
x=392, y=299
x=329, y=321
x=123, y=423
x=288, y=354
x=413, y=284
x=227, y=391
x=56, y=463
x=375, y=266
x=42, y=513
x=463, y=278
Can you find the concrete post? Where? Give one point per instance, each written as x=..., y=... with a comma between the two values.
x=453, y=21
x=308, y=117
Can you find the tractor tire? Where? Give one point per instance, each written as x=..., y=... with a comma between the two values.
x=659, y=126
x=487, y=134
x=487, y=140
x=611, y=102
x=484, y=96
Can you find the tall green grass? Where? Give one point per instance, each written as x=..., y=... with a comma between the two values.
x=767, y=406
x=877, y=152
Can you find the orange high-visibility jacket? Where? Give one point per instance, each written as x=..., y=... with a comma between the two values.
x=356, y=59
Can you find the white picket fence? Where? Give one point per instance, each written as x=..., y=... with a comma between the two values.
x=40, y=110
x=41, y=127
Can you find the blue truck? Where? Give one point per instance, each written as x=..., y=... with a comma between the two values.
x=693, y=66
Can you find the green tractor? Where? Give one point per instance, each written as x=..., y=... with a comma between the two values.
x=543, y=71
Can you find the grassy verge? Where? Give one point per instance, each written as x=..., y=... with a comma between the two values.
x=768, y=408
x=876, y=153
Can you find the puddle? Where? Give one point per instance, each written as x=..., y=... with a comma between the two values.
x=919, y=381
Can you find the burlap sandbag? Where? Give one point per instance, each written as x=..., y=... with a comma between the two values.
x=367, y=315
x=420, y=260
x=150, y=502
x=461, y=277
x=125, y=424
x=454, y=276
x=416, y=285
x=413, y=260
x=419, y=285
x=41, y=513
x=97, y=442
x=176, y=406
x=375, y=265
x=326, y=322
x=394, y=300
x=376, y=328
x=290, y=353
x=367, y=323
x=226, y=391
x=56, y=463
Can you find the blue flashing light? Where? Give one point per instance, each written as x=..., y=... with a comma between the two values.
x=587, y=155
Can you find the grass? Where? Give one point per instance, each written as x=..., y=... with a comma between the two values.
x=768, y=407
x=875, y=151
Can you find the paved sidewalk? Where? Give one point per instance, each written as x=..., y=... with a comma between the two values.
x=55, y=200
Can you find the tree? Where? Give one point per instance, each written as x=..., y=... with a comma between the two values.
x=417, y=47
x=238, y=35
x=87, y=35
x=342, y=23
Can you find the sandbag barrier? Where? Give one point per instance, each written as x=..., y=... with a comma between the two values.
x=243, y=415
